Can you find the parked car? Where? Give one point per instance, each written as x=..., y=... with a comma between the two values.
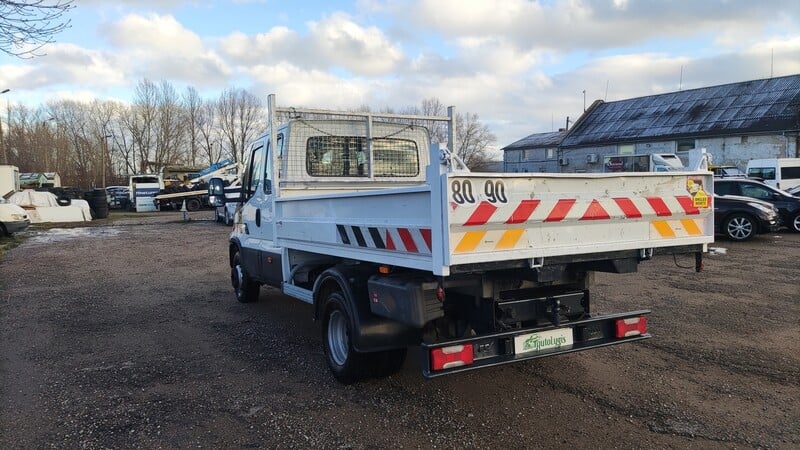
x=118, y=197
x=741, y=218
x=727, y=172
x=225, y=214
x=12, y=218
x=787, y=204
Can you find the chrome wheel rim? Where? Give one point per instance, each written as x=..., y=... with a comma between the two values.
x=337, y=337
x=740, y=228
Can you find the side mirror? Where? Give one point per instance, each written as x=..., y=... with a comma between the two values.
x=216, y=192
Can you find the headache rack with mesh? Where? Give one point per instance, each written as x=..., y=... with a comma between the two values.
x=333, y=150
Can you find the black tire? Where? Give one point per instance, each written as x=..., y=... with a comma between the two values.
x=64, y=201
x=794, y=223
x=346, y=364
x=228, y=218
x=3, y=231
x=246, y=289
x=193, y=204
x=101, y=213
x=740, y=227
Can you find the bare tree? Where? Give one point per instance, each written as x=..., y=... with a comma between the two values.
x=210, y=138
x=473, y=140
x=141, y=123
x=27, y=26
x=472, y=137
x=240, y=114
x=193, y=105
x=170, y=127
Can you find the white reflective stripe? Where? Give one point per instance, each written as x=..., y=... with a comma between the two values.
x=454, y=364
x=452, y=349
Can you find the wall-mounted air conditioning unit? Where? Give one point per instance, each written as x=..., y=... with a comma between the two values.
x=563, y=161
x=592, y=158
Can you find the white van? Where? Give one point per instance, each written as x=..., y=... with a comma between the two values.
x=142, y=189
x=12, y=218
x=782, y=173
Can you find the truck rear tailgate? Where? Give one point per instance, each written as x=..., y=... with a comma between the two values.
x=498, y=217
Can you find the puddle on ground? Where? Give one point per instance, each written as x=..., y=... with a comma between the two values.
x=62, y=234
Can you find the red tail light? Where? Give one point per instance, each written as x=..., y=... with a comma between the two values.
x=453, y=356
x=633, y=326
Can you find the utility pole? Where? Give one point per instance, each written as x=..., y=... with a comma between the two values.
x=2, y=140
x=105, y=150
x=584, y=100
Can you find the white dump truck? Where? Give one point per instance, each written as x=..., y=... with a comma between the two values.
x=396, y=245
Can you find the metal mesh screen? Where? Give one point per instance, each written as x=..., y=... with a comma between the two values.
x=347, y=156
x=339, y=149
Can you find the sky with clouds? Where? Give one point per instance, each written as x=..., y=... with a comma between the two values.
x=521, y=65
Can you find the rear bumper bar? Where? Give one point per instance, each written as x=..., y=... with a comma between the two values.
x=496, y=349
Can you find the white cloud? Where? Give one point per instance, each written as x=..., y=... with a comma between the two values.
x=65, y=64
x=308, y=88
x=334, y=41
x=364, y=51
x=155, y=46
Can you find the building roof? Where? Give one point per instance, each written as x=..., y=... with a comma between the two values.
x=757, y=106
x=538, y=140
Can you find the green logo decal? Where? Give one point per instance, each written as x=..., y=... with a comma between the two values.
x=536, y=343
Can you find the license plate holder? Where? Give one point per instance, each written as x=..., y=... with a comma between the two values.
x=543, y=340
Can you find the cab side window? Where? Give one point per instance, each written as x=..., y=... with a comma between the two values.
x=268, y=169
x=255, y=170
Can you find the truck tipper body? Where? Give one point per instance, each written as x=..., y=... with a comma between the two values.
x=397, y=245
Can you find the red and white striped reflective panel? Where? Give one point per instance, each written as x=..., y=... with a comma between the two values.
x=409, y=240
x=669, y=217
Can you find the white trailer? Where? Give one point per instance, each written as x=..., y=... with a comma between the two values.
x=142, y=190
x=9, y=180
x=397, y=246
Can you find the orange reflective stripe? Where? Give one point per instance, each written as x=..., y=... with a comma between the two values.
x=691, y=227
x=470, y=241
x=509, y=239
x=663, y=228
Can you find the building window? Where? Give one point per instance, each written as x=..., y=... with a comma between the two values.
x=625, y=149
x=685, y=145
x=743, y=140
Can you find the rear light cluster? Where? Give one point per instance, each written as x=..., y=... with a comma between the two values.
x=453, y=356
x=633, y=326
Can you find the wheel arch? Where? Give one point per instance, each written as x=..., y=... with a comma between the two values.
x=233, y=247
x=371, y=333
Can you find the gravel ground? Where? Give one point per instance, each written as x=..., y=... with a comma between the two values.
x=129, y=336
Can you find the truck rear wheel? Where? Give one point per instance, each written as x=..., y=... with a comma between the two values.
x=246, y=289
x=193, y=204
x=346, y=364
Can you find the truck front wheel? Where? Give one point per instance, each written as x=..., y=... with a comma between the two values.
x=346, y=364
x=246, y=289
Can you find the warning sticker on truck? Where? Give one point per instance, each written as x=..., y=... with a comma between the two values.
x=699, y=196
